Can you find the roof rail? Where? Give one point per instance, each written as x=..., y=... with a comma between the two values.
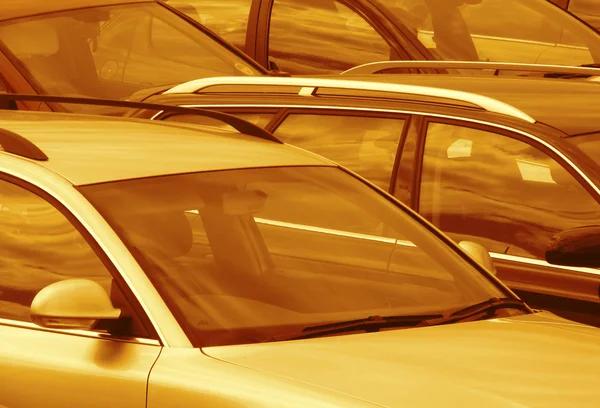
x=238, y=124
x=375, y=67
x=309, y=87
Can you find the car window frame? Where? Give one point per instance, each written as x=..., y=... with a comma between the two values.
x=128, y=296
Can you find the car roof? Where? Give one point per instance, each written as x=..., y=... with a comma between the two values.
x=569, y=105
x=88, y=149
x=10, y=9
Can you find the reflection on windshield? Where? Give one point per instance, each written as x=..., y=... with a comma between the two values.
x=525, y=31
x=113, y=52
x=243, y=255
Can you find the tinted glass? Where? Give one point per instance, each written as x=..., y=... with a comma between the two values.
x=498, y=191
x=526, y=31
x=321, y=36
x=228, y=18
x=366, y=145
x=113, y=52
x=242, y=255
x=39, y=247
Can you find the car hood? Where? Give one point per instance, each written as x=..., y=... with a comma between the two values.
x=526, y=361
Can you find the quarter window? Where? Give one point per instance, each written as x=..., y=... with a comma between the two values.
x=321, y=36
x=39, y=247
x=501, y=192
x=366, y=145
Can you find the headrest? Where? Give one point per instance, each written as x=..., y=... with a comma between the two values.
x=31, y=38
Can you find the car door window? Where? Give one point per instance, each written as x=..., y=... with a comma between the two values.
x=366, y=145
x=228, y=18
x=39, y=247
x=501, y=192
x=321, y=36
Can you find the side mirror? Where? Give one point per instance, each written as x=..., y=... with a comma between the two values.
x=575, y=247
x=75, y=304
x=480, y=254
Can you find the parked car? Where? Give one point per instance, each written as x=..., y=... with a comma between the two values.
x=506, y=162
x=170, y=265
x=106, y=49
x=587, y=10
x=309, y=37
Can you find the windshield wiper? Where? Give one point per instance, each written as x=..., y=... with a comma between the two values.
x=487, y=307
x=369, y=324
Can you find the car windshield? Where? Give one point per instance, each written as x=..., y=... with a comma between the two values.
x=243, y=255
x=518, y=31
x=113, y=52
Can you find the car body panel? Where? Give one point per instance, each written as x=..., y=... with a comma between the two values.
x=128, y=157
x=200, y=380
x=511, y=362
x=42, y=368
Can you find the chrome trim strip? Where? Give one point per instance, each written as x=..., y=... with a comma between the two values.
x=538, y=262
x=484, y=102
x=307, y=91
x=406, y=112
x=339, y=233
x=80, y=333
x=373, y=67
x=42, y=178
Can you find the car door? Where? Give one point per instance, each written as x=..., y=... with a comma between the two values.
x=42, y=244
x=512, y=195
x=310, y=37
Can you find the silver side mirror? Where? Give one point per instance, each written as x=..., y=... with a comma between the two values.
x=480, y=254
x=75, y=304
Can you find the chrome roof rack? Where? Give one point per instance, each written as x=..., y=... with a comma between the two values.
x=26, y=148
x=309, y=87
x=375, y=67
